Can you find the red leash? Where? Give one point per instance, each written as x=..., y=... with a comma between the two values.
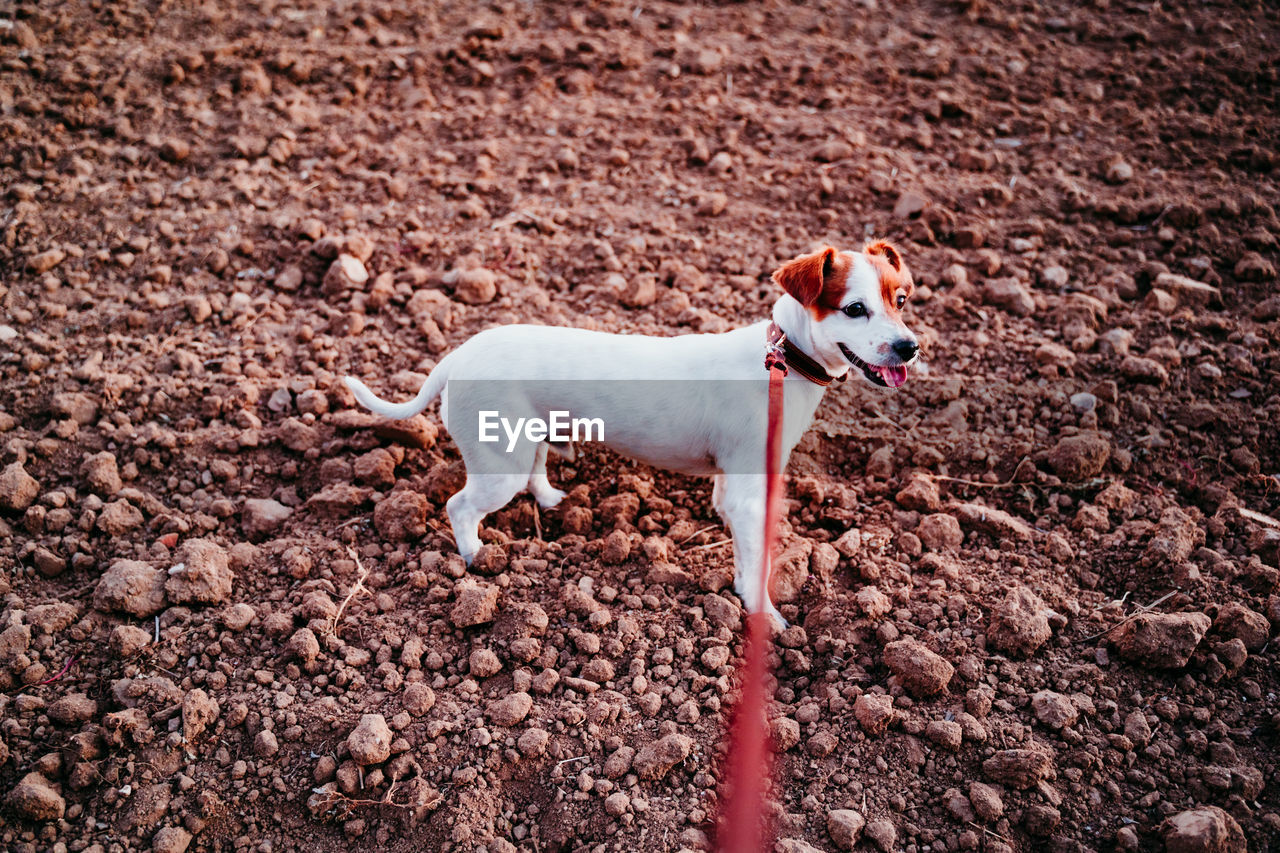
x=744, y=826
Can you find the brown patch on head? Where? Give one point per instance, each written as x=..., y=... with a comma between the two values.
x=817, y=281
x=894, y=276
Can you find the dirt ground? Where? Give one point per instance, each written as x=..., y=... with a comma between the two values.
x=1034, y=593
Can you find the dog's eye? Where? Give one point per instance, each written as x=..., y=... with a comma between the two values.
x=902, y=299
x=855, y=309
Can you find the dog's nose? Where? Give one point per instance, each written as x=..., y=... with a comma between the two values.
x=906, y=349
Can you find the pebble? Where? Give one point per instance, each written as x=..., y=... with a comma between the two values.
x=476, y=603
x=474, y=286
x=1053, y=709
x=35, y=798
x=834, y=150
x=370, y=741
x=656, y=758
x=1207, y=829
x=945, y=733
x=18, y=489
x=1080, y=457
x=1054, y=276
x=986, y=802
x=510, y=710
x=45, y=261
x=402, y=516
x=909, y=203
x=1020, y=625
x=346, y=273
x=883, y=834
x=874, y=712
x=1009, y=294
x=1019, y=768
x=130, y=587
x=845, y=827
x=1160, y=640
x=923, y=672
x=170, y=839
x=203, y=574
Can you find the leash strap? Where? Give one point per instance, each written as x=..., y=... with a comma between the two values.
x=744, y=827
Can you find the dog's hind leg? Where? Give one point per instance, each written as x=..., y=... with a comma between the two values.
x=483, y=494
x=540, y=487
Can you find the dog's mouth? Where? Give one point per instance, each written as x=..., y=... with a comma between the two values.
x=884, y=375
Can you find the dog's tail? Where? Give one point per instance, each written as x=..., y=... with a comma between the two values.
x=429, y=391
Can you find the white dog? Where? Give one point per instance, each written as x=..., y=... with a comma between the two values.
x=841, y=310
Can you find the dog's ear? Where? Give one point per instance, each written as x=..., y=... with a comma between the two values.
x=803, y=277
x=886, y=250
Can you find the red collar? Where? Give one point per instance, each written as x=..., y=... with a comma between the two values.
x=783, y=354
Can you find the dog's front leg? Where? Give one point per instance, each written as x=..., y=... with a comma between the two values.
x=740, y=500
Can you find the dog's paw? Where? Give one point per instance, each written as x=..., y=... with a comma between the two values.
x=780, y=623
x=550, y=498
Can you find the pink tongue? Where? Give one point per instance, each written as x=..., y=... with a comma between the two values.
x=895, y=376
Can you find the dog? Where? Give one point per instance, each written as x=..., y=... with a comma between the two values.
x=840, y=313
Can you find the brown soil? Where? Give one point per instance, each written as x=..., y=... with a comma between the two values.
x=1088, y=199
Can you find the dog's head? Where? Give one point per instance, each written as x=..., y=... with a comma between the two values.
x=853, y=302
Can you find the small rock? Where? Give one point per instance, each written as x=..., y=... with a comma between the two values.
x=18, y=489
x=909, y=204
x=130, y=587
x=127, y=640
x=1207, y=829
x=1019, y=768
x=346, y=273
x=265, y=745
x=402, y=516
x=476, y=604
x=945, y=733
x=170, y=839
x=835, y=150
x=102, y=473
x=1161, y=640
x=940, y=532
x=874, y=712
x=1054, y=709
x=986, y=802
x=883, y=834
x=1118, y=172
x=657, y=758
x=204, y=576
x=36, y=798
x=45, y=261
x=640, y=292
x=484, y=663
x=72, y=709
x=845, y=827
x=119, y=517
x=370, y=741
x=921, y=671
x=474, y=286
x=1054, y=276
x=303, y=645
x=1009, y=294
x=1080, y=457
x=199, y=711
x=263, y=516
x=1137, y=729
x=1248, y=626
x=510, y=710
x=75, y=406
x=1021, y=624
x=533, y=742
x=418, y=699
